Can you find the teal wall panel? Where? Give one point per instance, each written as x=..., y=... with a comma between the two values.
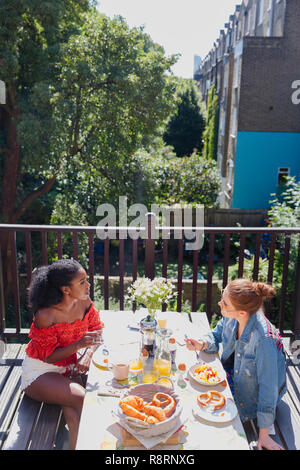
x=259, y=155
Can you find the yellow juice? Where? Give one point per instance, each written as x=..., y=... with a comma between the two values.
x=162, y=323
x=162, y=366
x=149, y=378
x=136, y=366
x=164, y=382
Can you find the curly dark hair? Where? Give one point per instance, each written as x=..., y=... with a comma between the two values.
x=45, y=287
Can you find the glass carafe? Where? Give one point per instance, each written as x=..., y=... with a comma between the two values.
x=162, y=359
x=148, y=329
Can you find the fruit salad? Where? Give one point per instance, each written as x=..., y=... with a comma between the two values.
x=206, y=374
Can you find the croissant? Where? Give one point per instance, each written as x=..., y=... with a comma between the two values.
x=155, y=411
x=132, y=412
x=134, y=401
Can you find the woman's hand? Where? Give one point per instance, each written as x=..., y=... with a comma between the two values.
x=266, y=442
x=83, y=364
x=90, y=341
x=192, y=344
x=90, y=338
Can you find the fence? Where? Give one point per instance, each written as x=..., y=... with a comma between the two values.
x=235, y=217
x=278, y=239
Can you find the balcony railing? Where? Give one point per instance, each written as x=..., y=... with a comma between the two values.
x=222, y=238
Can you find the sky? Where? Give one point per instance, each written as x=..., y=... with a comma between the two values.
x=186, y=27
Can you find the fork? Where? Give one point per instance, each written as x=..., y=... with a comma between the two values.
x=194, y=349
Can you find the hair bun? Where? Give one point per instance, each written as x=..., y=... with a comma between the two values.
x=266, y=291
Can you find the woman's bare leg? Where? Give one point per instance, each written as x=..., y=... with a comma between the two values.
x=54, y=388
x=72, y=419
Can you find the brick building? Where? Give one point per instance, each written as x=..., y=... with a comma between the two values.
x=255, y=66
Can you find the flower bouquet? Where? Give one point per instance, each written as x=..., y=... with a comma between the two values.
x=151, y=293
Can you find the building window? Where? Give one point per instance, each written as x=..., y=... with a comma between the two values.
x=261, y=11
x=271, y=17
x=247, y=23
x=236, y=72
x=234, y=123
x=283, y=173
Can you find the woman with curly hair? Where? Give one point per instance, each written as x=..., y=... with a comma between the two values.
x=252, y=354
x=65, y=321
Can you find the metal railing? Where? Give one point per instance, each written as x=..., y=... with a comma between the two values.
x=240, y=233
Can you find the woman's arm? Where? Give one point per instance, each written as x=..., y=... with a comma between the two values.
x=208, y=342
x=84, y=361
x=214, y=338
x=59, y=354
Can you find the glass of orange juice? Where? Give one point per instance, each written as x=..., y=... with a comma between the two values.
x=163, y=367
x=135, y=369
x=161, y=320
x=150, y=374
x=162, y=323
x=135, y=366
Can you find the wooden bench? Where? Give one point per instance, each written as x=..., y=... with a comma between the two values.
x=287, y=423
x=26, y=424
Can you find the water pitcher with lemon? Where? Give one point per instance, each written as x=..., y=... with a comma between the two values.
x=162, y=359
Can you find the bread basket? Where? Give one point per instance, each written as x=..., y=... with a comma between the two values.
x=147, y=391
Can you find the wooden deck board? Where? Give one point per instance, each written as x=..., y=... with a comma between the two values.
x=21, y=429
x=287, y=419
x=46, y=427
x=10, y=393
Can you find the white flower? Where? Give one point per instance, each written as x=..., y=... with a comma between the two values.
x=151, y=294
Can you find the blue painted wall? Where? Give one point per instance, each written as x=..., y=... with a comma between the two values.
x=258, y=157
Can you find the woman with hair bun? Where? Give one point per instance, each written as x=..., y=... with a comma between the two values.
x=65, y=321
x=252, y=352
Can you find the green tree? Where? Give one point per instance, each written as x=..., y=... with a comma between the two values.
x=185, y=127
x=31, y=37
x=210, y=134
x=81, y=103
x=82, y=90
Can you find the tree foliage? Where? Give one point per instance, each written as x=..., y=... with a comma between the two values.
x=31, y=37
x=185, y=127
x=82, y=91
x=285, y=207
x=192, y=180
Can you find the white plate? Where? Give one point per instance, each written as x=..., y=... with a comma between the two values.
x=221, y=375
x=225, y=415
x=98, y=359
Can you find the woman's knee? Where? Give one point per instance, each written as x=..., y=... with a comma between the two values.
x=77, y=393
x=57, y=389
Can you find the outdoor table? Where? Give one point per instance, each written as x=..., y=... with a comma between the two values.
x=99, y=428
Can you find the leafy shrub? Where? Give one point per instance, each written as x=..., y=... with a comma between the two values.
x=192, y=180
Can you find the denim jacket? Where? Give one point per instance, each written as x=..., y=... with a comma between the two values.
x=259, y=365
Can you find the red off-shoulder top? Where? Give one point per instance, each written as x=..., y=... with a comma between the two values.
x=45, y=340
